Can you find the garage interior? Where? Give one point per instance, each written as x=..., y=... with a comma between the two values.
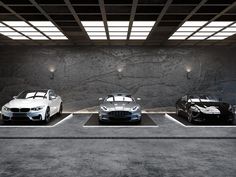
x=158, y=50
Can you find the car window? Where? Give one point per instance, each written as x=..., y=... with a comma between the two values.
x=119, y=98
x=32, y=94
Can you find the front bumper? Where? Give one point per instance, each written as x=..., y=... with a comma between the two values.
x=132, y=117
x=214, y=117
x=22, y=116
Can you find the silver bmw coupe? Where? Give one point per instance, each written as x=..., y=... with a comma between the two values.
x=119, y=107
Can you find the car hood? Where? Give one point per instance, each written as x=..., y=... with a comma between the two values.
x=213, y=106
x=119, y=106
x=26, y=103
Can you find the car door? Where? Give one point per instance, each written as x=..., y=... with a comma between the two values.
x=53, y=103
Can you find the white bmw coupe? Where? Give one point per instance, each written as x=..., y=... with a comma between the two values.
x=33, y=105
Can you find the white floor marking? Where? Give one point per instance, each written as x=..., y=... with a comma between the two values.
x=119, y=126
x=38, y=126
x=200, y=126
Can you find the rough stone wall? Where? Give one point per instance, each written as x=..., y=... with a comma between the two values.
x=83, y=74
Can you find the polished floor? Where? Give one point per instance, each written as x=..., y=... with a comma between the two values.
x=70, y=149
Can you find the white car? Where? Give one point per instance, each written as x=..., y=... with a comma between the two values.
x=33, y=105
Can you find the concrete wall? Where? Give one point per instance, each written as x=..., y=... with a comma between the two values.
x=82, y=74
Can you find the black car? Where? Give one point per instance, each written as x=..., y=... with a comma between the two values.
x=200, y=108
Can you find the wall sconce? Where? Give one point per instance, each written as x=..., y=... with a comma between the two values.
x=119, y=70
x=52, y=71
x=188, y=70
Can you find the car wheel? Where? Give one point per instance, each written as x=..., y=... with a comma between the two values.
x=139, y=121
x=190, y=116
x=60, y=110
x=47, y=116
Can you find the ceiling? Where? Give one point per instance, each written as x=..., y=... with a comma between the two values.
x=67, y=15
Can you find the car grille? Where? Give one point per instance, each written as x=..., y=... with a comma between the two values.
x=20, y=109
x=119, y=114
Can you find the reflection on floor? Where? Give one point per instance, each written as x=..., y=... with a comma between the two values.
x=184, y=121
x=146, y=121
x=54, y=120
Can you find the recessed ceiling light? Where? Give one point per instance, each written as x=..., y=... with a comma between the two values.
x=194, y=23
x=94, y=33
x=210, y=29
x=38, y=37
x=24, y=29
x=182, y=33
x=216, y=38
x=118, y=23
x=18, y=37
x=203, y=33
x=41, y=23
x=5, y=29
x=141, y=28
x=10, y=33
x=32, y=33
x=197, y=37
x=48, y=29
x=177, y=37
x=138, y=37
x=139, y=33
x=54, y=33
x=58, y=37
x=229, y=29
x=117, y=28
x=224, y=34
x=118, y=37
x=190, y=29
x=98, y=37
x=94, y=28
x=118, y=33
x=143, y=23
x=16, y=23
x=92, y=23
x=220, y=23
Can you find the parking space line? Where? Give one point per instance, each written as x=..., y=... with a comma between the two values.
x=120, y=126
x=200, y=126
x=37, y=126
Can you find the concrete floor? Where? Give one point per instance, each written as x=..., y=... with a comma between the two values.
x=69, y=149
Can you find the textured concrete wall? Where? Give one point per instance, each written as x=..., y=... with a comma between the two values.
x=82, y=74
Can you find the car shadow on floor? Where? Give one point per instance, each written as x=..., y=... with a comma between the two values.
x=54, y=120
x=146, y=121
x=185, y=122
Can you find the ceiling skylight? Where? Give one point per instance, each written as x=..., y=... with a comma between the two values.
x=141, y=29
x=216, y=30
x=95, y=30
x=35, y=30
x=116, y=34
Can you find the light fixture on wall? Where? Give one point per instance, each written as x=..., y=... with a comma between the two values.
x=188, y=70
x=52, y=71
x=120, y=68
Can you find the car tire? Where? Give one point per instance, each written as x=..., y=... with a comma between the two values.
x=47, y=115
x=190, y=117
x=139, y=122
x=60, y=110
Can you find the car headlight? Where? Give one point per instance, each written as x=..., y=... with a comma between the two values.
x=135, y=108
x=6, y=108
x=103, y=108
x=195, y=109
x=37, y=108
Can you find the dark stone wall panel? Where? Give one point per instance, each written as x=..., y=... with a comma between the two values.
x=82, y=74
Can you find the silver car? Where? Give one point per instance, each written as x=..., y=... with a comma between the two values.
x=119, y=107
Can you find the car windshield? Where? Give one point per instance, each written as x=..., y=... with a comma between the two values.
x=112, y=98
x=32, y=94
x=202, y=98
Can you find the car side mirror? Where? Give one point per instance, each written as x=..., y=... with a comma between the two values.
x=100, y=99
x=138, y=99
x=52, y=97
x=14, y=97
